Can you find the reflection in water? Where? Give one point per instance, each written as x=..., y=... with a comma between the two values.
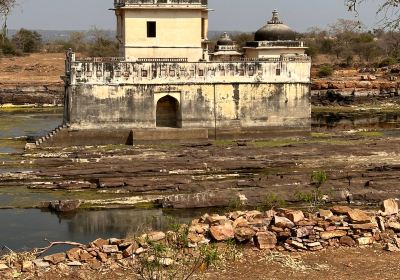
x=354, y=120
x=28, y=228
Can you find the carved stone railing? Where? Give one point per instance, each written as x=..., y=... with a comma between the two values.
x=123, y=3
x=157, y=71
x=162, y=60
x=274, y=44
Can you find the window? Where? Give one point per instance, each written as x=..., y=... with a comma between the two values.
x=278, y=72
x=151, y=29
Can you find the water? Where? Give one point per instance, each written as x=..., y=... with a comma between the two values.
x=356, y=120
x=16, y=125
x=19, y=232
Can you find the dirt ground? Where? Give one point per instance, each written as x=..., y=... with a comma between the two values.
x=34, y=69
x=370, y=263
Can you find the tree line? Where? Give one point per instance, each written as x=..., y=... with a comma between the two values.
x=95, y=43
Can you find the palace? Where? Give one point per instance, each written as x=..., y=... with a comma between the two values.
x=169, y=84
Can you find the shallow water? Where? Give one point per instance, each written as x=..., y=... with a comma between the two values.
x=356, y=120
x=16, y=125
x=23, y=229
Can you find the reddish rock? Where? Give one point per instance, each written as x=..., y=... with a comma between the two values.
x=73, y=254
x=367, y=226
x=347, y=241
x=283, y=222
x=394, y=225
x=304, y=231
x=362, y=241
x=294, y=215
x=99, y=243
x=253, y=214
x=340, y=209
x=128, y=252
x=325, y=213
x=390, y=207
x=332, y=234
x=108, y=249
x=102, y=257
x=265, y=240
x=199, y=228
x=155, y=236
x=27, y=266
x=56, y=258
x=215, y=219
x=240, y=222
x=222, y=232
x=359, y=216
x=195, y=238
x=244, y=234
x=84, y=256
x=391, y=248
x=126, y=243
x=115, y=241
x=276, y=229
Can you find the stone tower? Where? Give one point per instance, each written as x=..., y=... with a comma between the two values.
x=162, y=29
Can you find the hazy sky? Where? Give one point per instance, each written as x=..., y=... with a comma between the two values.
x=242, y=15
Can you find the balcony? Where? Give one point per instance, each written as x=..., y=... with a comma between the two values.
x=160, y=3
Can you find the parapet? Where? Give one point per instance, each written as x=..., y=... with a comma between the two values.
x=118, y=71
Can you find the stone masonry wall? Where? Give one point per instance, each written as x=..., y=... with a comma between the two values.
x=201, y=105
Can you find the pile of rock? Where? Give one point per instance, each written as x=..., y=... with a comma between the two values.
x=281, y=229
x=292, y=230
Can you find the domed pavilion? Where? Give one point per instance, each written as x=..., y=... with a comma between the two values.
x=226, y=49
x=274, y=40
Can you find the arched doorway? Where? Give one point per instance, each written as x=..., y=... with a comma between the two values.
x=167, y=114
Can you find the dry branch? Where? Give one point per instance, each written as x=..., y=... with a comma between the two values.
x=40, y=251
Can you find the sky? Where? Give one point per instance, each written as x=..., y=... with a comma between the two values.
x=228, y=15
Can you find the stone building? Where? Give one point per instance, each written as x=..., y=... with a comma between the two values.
x=166, y=85
x=225, y=49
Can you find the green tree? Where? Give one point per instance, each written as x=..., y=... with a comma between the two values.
x=27, y=41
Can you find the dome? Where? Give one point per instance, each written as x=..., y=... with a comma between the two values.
x=275, y=30
x=225, y=40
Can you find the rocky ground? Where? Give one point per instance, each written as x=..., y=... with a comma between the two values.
x=368, y=263
x=233, y=245
x=361, y=166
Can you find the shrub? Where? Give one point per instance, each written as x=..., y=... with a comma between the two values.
x=271, y=201
x=318, y=178
x=387, y=62
x=103, y=47
x=325, y=71
x=7, y=48
x=27, y=41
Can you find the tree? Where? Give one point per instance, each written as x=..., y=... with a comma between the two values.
x=345, y=26
x=27, y=41
x=389, y=11
x=101, y=44
x=5, y=8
